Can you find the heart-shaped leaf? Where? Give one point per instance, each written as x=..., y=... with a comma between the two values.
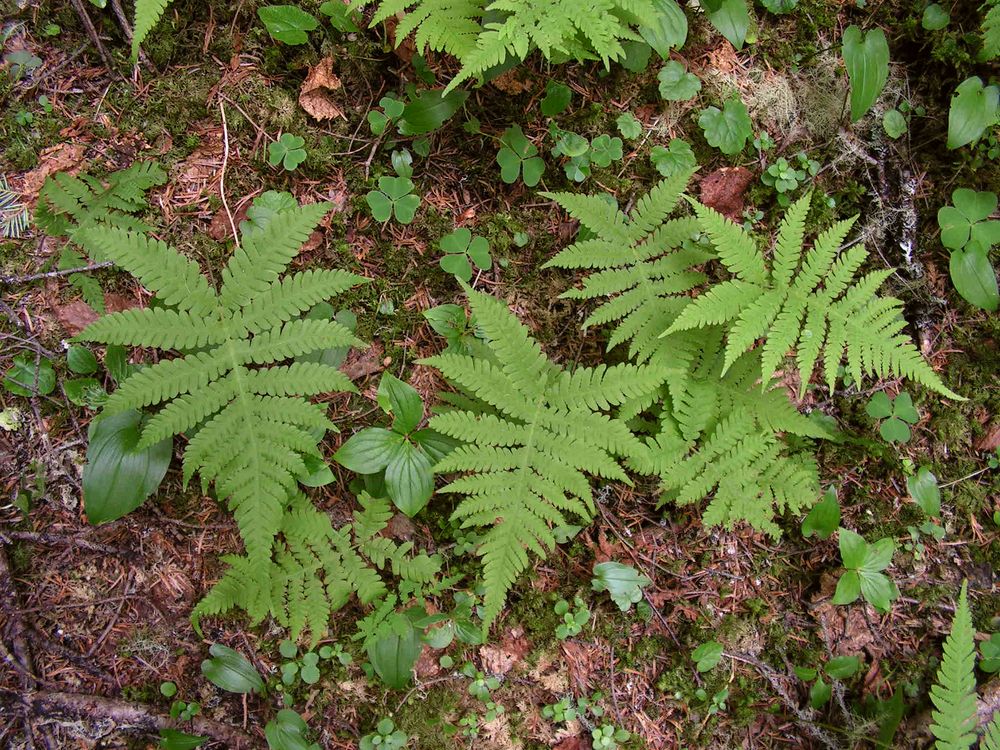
x=973, y=108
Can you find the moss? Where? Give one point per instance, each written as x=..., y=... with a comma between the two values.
x=429, y=720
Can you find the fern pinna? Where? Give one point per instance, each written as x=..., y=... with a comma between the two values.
x=232, y=389
x=316, y=569
x=531, y=431
x=484, y=34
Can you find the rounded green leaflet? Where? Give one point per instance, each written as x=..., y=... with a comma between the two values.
x=604, y=149
x=676, y=158
x=676, y=83
x=406, y=208
x=380, y=205
x=935, y=17
x=894, y=430
x=727, y=129
x=974, y=277
x=457, y=242
x=894, y=123
x=457, y=265
x=117, y=478
x=288, y=649
x=25, y=378
x=629, y=126
x=310, y=674
x=557, y=98
x=81, y=360
x=479, y=252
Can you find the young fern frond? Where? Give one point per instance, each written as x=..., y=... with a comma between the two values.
x=67, y=203
x=317, y=568
x=806, y=301
x=482, y=34
x=954, y=691
x=147, y=14
x=525, y=460
x=254, y=425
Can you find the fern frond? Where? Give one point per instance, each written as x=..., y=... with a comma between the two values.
x=147, y=14
x=991, y=32
x=954, y=691
x=524, y=465
x=254, y=425
x=991, y=740
x=806, y=302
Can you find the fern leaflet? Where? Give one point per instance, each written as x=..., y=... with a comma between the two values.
x=147, y=14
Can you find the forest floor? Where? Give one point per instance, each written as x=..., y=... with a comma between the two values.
x=104, y=610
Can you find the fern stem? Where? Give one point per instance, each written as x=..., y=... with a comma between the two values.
x=222, y=173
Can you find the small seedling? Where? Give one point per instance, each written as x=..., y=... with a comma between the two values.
x=898, y=414
x=838, y=668
x=306, y=668
x=863, y=576
x=394, y=197
x=718, y=700
x=560, y=712
x=287, y=151
x=385, y=737
x=336, y=651
x=462, y=250
x=574, y=617
x=607, y=737
x=923, y=488
x=481, y=684
x=786, y=177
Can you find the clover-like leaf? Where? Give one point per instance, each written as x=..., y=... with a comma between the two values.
x=676, y=83
x=518, y=157
x=394, y=197
x=287, y=151
x=604, y=149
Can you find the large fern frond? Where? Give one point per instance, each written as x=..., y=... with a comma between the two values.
x=954, y=691
x=991, y=32
x=525, y=460
x=807, y=302
x=251, y=426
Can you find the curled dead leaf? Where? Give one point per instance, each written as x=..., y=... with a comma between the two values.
x=316, y=95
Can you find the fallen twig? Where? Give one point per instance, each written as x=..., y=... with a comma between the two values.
x=46, y=704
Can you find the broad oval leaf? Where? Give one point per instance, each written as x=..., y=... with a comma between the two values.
x=974, y=277
x=369, y=450
x=288, y=23
x=409, y=478
x=401, y=401
x=866, y=56
x=287, y=731
x=973, y=108
x=824, y=518
x=228, y=670
x=171, y=739
x=842, y=667
x=117, y=478
x=25, y=378
x=393, y=655
x=430, y=111
x=923, y=488
x=670, y=31
x=732, y=19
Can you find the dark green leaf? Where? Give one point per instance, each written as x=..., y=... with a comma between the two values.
x=707, y=656
x=393, y=656
x=25, y=377
x=622, y=582
x=401, y=401
x=923, y=488
x=670, y=31
x=81, y=360
x=824, y=518
x=430, y=111
x=848, y=588
x=288, y=23
x=935, y=17
x=409, y=477
x=820, y=694
x=973, y=109
x=974, y=277
x=369, y=450
x=732, y=19
x=171, y=739
x=557, y=98
x=117, y=478
x=287, y=731
x=842, y=667
x=230, y=671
